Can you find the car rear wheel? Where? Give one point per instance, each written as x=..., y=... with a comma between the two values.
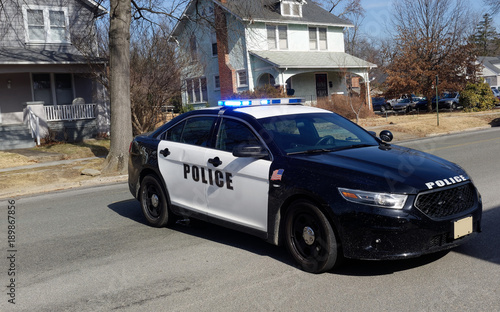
x=154, y=202
x=382, y=109
x=309, y=238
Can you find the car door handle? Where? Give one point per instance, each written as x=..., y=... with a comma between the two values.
x=165, y=152
x=215, y=161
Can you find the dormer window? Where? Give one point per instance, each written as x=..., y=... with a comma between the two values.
x=291, y=8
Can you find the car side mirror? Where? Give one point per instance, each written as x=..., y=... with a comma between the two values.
x=386, y=135
x=255, y=151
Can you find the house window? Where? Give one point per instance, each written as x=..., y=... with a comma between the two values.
x=193, y=47
x=289, y=8
x=214, y=44
x=47, y=87
x=217, y=82
x=277, y=37
x=242, y=78
x=317, y=38
x=196, y=90
x=46, y=24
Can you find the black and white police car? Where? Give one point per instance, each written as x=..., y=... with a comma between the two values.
x=303, y=177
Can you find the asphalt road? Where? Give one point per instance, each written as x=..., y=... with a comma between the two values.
x=90, y=250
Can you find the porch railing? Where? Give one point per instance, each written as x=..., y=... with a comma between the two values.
x=70, y=112
x=34, y=125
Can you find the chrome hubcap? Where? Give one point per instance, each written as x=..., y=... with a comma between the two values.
x=308, y=235
x=155, y=200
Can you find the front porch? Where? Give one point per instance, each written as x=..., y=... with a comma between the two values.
x=309, y=75
x=70, y=123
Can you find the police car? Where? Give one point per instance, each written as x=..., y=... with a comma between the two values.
x=305, y=178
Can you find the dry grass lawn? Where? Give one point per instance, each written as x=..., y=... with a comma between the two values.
x=421, y=125
x=8, y=160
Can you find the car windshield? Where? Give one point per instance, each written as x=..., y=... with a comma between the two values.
x=315, y=133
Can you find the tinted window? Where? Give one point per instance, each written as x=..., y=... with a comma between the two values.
x=233, y=133
x=195, y=131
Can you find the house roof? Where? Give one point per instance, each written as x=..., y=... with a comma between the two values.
x=100, y=10
x=39, y=55
x=491, y=65
x=268, y=11
x=311, y=59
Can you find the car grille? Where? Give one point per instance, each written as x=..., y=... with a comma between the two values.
x=447, y=202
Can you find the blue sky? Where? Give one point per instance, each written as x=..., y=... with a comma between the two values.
x=379, y=13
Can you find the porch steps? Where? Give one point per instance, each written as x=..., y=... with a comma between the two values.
x=15, y=136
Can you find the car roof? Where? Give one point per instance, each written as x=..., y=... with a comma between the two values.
x=265, y=111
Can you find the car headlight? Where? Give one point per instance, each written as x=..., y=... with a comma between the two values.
x=386, y=200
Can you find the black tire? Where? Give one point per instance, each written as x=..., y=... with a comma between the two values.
x=154, y=203
x=309, y=238
x=382, y=109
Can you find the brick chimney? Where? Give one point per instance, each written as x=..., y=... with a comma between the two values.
x=227, y=74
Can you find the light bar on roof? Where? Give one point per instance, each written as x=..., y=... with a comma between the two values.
x=259, y=102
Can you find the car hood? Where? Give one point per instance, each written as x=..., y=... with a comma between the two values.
x=385, y=169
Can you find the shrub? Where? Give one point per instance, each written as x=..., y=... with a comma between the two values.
x=477, y=97
x=266, y=91
x=341, y=105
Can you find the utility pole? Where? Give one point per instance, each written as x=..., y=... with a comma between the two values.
x=437, y=100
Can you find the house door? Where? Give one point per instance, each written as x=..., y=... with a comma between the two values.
x=321, y=85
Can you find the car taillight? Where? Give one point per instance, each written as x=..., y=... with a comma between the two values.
x=130, y=147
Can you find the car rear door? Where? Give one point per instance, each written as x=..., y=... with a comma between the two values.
x=239, y=190
x=182, y=162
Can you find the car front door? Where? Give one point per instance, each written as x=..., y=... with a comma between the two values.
x=182, y=162
x=238, y=186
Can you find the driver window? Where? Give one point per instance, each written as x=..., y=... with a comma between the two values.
x=233, y=133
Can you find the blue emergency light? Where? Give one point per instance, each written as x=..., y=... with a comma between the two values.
x=259, y=102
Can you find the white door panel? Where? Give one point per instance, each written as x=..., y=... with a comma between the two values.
x=243, y=197
x=181, y=170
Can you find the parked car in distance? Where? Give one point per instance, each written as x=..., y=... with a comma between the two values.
x=420, y=103
x=496, y=93
x=448, y=100
x=380, y=104
x=404, y=105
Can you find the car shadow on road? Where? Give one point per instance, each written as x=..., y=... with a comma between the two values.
x=485, y=246
x=131, y=209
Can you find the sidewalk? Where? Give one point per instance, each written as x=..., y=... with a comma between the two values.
x=51, y=172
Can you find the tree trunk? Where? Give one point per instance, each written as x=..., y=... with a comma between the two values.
x=119, y=54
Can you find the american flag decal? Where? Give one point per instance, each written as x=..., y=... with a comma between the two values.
x=276, y=176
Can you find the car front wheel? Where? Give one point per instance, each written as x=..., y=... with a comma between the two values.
x=154, y=202
x=309, y=238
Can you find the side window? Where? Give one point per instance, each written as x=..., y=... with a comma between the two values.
x=195, y=131
x=174, y=134
x=233, y=133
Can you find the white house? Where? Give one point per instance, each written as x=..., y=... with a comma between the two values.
x=241, y=44
x=44, y=75
x=490, y=70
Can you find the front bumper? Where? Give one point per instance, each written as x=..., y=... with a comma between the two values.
x=372, y=233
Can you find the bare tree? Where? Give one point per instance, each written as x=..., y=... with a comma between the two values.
x=431, y=39
x=121, y=13
x=494, y=5
x=119, y=78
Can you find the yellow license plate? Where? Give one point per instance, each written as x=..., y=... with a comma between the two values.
x=462, y=227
